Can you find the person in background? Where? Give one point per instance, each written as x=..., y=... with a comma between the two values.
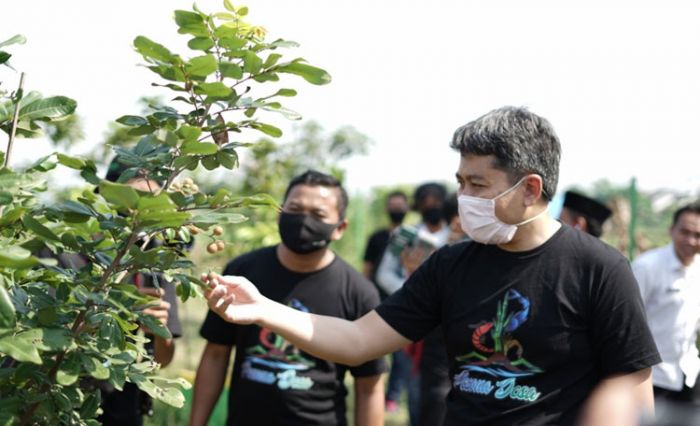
x=538, y=317
x=669, y=281
x=128, y=406
x=434, y=365
x=396, y=208
x=584, y=213
x=273, y=382
x=394, y=269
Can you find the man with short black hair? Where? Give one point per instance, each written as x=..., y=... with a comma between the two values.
x=669, y=280
x=535, y=315
x=273, y=381
x=584, y=213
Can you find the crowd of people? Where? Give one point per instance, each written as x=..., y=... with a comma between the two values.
x=489, y=311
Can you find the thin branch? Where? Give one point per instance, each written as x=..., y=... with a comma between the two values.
x=15, y=119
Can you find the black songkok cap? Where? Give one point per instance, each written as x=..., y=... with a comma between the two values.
x=586, y=206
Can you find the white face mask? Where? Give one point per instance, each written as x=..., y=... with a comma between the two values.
x=479, y=221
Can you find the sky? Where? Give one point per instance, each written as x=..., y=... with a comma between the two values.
x=619, y=81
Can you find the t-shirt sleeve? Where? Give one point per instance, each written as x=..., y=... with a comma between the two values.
x=620, y=333
x=415, y=309
x=367, y=299
x=215, y=329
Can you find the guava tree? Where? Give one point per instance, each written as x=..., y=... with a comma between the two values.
x=61, y=328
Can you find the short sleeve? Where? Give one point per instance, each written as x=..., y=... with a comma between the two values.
x=215, y=329
x=414, y=310
x=620, y=333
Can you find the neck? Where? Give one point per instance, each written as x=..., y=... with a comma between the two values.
x=685, y=261
x=393, y=226
x=311, y=262
x=533, y=234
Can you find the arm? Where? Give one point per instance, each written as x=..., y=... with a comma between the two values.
x=369, y=401
x=367, y=268
x=209, y=381
x=620, y=400
x=388, y=278
x=236, y=300
x=164, y=349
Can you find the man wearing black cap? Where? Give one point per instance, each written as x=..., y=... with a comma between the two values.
x=584, y=213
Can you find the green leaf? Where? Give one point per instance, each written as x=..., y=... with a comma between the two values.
x=268, y=129
x=39, y=229
x=162, y=389
x=308, y=72
x=7, y=310
x=132, y=120
x=231, y=42
x=95, y=368
x=49, y=339
x=119, y=194
x=184, y=18
x=155, y=326
x=286, y=92
x=89, y=408
x=4, y=57
x=189, y=133
x=230, y=70
x=252, y=62
x=224, y=16
x=17, y=39
x=20, y=348
x=210, y=162
x=227, y=159
x=271, y=60
x=201, y=66
x=201, y=43
x=242, y=11
x=152, y=50
x=199, y=148
x=5, y=198
x=72, y=162
x=229, y=6
x=52, y=108
x=16, y=257
x=217, y=89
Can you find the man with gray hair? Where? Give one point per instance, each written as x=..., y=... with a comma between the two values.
x=543, y=325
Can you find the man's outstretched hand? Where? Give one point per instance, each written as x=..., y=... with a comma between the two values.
x=235, y=299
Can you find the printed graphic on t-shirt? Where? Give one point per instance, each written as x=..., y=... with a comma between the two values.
x=276, y=362
x=498, y=355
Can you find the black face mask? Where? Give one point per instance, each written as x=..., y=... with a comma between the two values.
x=304, y=234
x=397, y=216
x=432, y=216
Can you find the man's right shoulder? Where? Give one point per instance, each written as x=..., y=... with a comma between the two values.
x=250, y=259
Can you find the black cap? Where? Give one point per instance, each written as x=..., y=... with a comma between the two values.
x=115, y=169
x=586, y=206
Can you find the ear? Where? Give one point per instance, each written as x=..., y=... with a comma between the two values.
x=339, y=231
x=534, y=186
x=581, y=223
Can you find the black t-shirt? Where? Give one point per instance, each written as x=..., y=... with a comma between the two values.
x=529, y=334
x=373, y=254
x=273, y=382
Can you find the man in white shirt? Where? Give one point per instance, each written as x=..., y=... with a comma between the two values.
x=669, y=280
